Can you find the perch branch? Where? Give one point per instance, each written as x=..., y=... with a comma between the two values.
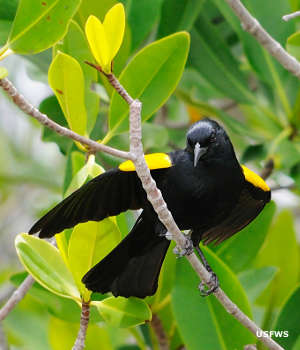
x=84, y=322
x=155, y=198
x=28, y=108
x=252, y=26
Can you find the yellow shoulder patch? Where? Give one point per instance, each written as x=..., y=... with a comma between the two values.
x=154, y=161
x=255, y=179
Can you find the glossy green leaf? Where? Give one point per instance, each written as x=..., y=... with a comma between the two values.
x=46, y=265
x=67, y=82
x=155, y=137
x=212, y=58
x=161, y=65
x=142, y=16
x=51, y=107
x=255, y=281
x=289, y=320
x=3, y=72
x=280, y=244
x=38, y=25
x=123, y=312
x=76, y=45
x=89, y=243
x=202, y=322
x=232, y=251
x=8, y=9
x=178, y=15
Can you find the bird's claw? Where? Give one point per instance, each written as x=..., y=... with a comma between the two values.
x=213, y=285
x=187, y=250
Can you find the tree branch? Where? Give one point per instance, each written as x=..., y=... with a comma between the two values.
x=28, y=108
x=16, y=297
x=84, y=322
x=252, y=26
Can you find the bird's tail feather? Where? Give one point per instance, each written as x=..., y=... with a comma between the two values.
x=133, y=267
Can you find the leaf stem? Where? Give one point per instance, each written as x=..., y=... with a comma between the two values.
x=84, y=322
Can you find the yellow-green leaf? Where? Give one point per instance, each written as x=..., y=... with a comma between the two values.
x=67, y=81
x=123, y=312
x=45, y=264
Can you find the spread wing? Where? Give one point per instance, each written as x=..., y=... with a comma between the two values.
x=106, y=195
x=251, y=202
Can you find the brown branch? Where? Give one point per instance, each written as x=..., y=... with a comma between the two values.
x=28, y=108
x=16, y=297
x=159, y=331
x=3, y=340
x=252, y=26
x=84, y=322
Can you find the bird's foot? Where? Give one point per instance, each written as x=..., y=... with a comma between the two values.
x=188, y=248
x=167, y=235
x=213, y=285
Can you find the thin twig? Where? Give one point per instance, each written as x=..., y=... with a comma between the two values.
x=291, y=16
x=84, y=322
x=267, y=169
x=252, y=26
x=159, y=331
x=250, y=347
x=28, y=108
x=16, y=297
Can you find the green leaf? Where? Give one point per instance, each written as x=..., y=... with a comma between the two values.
x=289, y=320
x=232, y=251
x=218, y=329
x=212, y=58
x=75, y=45
x=8, y=9
x=123, y=312
x=276, y=248
x=46, y=265
x=89, y=243
x=178, y=15
x=142, y=16
x=3, y=72
x=38, y=25
x=155, y=137
x=67, y=82
x=255, y=281
x=161, y=65
x=50, y=107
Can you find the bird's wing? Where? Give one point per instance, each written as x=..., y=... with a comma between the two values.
x=108, y=194
x=251, y=202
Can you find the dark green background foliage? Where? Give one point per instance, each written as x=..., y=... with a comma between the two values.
x=227, y=76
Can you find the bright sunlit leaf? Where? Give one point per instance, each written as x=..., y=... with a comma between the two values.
x=106, y=38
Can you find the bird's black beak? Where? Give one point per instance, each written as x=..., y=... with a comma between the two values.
x=198, y=153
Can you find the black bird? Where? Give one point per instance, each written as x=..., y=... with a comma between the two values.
x=204, y=186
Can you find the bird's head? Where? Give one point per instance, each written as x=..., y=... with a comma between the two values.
x=207, y=140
